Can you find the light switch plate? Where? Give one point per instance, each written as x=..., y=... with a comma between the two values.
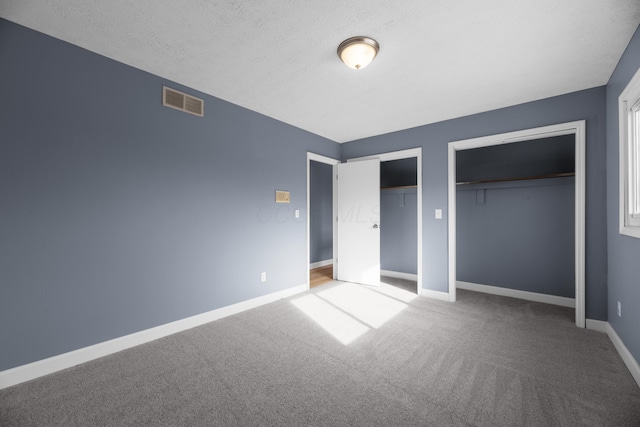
x=438, y=213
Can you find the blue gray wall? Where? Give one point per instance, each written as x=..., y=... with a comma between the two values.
x=320, y=212
x=624, y=251
x=398, y=232
x=586, y=105
x=518, y=235
x=118, y=214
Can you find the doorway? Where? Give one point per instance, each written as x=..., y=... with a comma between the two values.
x=321, y=209
x=577, y=130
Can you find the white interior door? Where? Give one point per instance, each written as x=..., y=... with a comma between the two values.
x=359, y=222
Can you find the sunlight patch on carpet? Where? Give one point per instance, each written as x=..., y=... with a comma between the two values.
x=366, y=305
x=339, y=324
x=397, y=293
x=348, y=310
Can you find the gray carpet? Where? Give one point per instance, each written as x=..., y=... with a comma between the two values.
x=407, y=285
x=483, y=361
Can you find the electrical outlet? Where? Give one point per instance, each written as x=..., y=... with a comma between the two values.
x=263, y=276
x=619, y=309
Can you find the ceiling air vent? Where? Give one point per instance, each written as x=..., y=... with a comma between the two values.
x=181, y=101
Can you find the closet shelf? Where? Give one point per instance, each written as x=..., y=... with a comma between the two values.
x=399, y=187
x=526, y=178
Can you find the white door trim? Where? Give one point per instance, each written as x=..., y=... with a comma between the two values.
x=577, y=128
x=333, y=162
x=407, y=154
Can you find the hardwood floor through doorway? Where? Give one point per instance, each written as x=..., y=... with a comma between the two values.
x=320, y=276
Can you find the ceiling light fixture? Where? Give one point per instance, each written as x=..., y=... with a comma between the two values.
x=358, y=52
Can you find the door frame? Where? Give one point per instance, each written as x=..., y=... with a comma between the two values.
x=334, y=195
x=406, y=154
x=577, y=128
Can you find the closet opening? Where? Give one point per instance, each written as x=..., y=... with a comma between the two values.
x=547, y=180
x=515, y=219
x=400, y=258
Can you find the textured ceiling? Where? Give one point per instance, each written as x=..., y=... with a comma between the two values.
x=439, y=59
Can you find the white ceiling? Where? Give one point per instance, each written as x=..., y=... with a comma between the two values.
x=438, y=59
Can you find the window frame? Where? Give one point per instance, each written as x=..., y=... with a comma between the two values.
x=629, y=135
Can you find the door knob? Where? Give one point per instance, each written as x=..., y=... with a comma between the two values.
x=376, y=226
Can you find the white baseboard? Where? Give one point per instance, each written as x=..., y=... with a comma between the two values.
x=442, y=296
x=623, y=351
x=320, y=264
x=399, y=275
x=597, y=325
x=625, y=354
x=53, y=364
x=525, y=295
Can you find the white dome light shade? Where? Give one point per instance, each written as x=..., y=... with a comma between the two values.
x=358, y=52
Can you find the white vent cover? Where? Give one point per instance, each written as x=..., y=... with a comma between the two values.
x=181, y=101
